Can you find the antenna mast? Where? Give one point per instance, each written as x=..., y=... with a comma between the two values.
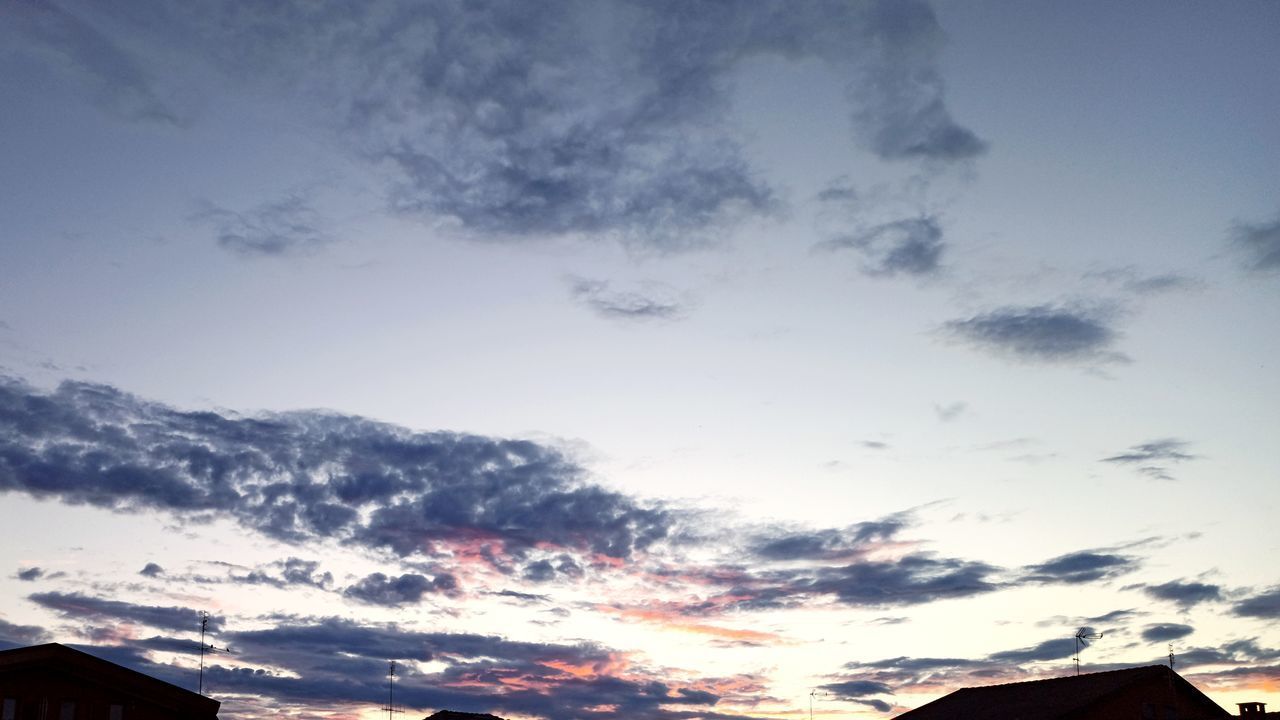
x=1170, y=656
x=204, y=647
x=1083, y=636
x=391, y=690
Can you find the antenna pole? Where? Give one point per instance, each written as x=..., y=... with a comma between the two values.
x=204, y=624
x=391, y=688
x=1170, y=656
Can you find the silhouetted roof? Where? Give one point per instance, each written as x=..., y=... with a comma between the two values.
x=1050, y=699
x=63, y=660
x=455, y=715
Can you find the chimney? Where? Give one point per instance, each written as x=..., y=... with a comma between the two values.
x=1253, y=709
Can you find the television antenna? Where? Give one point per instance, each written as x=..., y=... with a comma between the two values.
x=1083, y=636
x=205, y=648
x=391, y=690
x=1170, y=656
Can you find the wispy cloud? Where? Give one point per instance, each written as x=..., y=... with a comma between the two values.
x=649, y=302
x=290, y=226
x=1265, y=605
x=1258, y=245
x=1081, y=567
x=118, y=80
x=912, y=246
x=85, y=607
x=1152, y=457
x=1041, y=333
x=1185, y=594
x=1166, y=632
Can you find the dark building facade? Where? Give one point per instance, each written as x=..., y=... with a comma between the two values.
x=55, y=682
x=1154, y=692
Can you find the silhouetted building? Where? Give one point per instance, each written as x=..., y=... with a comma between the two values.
x=55, y=682
x=1154, y=692
x=455, y=715
x=1256, y=711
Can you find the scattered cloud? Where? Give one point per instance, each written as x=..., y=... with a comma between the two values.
x=1081, y=567
x=1152, y=457
x=84, y=607
x=1258, y=245
x=408, y=589
x=1132, y=280
x=1041, y=333
x=286, y=573
x=308, y=476
x=30, y=574
x=14, y=635
x=520, y=121
x=1265, y=605
x=649, y=302
x=117, y=79
x=912, y=246
x=1185, y=594
x=1166, y=632
x=151, y=570
x=875, y=445
x=950, y=411
x=286, y=227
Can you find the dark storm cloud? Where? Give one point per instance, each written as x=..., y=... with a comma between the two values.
x=1185, y=594
x=287, y=227
x=306, y=476
x=1166, y=632
x=30, y=574
x=117, y=80
x=1081, y=567
x=1258, y=245
x=516, y=119
x=909, y=247
x=651, y=302
x=1265, y=605
x=151, y=570
x=1041, y=333
x=410, y=588
x=79, y=606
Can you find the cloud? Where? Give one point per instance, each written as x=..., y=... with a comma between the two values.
x=1166, y=632
x=1185, y=594
x=1054, y=649
x=1131, y=279
x=1041, y=333
x=652, y=301
x=1265, y=605
x=1152, y=456
x=289, y=572
x=856, y=688
x=30, y=574
x=286, y=227
x=309, y=476
x=1081, y=567
x=117, y=79
x=378, y=589
x=947, y=413
x=605, y=120
x=79, y=606
x=14, y=635
x=1258, y=245
x=909, y=247
x=151, y=570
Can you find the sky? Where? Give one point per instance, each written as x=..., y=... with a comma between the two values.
x=668, y=360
